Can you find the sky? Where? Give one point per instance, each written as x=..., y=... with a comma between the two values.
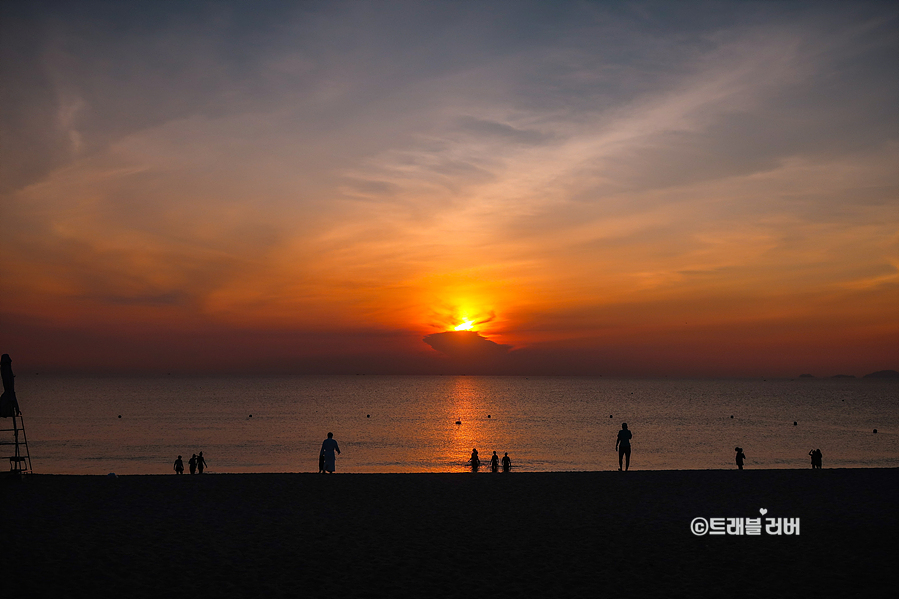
x=599, y=188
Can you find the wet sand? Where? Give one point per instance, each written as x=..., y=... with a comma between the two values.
x=450, y=535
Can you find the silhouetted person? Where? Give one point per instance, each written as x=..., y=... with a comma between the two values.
x=623, y=446
x=475, y=460
x=192, y=462
x=507, y=463
x=817, y=458
x=329, y=446
x=9, y=407
x=201, y=463
x=494, y=463
x=740, y=457
x=321, y=462
x=179, y=466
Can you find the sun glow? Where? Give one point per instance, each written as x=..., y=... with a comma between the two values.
x=465, y=326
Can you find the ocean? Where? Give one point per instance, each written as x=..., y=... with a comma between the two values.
x=405, y=424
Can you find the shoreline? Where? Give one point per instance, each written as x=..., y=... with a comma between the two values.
x=461, y=472
x=482, y=471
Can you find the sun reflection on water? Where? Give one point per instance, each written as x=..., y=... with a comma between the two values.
x=477, y=430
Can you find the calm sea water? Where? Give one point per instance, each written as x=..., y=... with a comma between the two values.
x=407, y=423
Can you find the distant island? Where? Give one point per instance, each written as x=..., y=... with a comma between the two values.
x=883, y=374
x=880, y=374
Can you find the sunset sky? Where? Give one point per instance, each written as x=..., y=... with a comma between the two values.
x=658, y=189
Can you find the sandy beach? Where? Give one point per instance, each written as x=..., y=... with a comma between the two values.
x=450, y=535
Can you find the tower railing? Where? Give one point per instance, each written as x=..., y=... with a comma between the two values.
x=20, y=461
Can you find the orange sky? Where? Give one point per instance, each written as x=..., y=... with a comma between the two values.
x=598, y=190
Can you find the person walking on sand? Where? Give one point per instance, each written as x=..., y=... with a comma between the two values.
x=192, y=463
x=494, y=463
x=507, y=463
x=623, y=446
x=179, y=466
x=201, y=463
x=740, y=457
x=329, y=446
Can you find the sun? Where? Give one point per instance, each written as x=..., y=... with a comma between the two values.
x=465, y=326
x=461, y=318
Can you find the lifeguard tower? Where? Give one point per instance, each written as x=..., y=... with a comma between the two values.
x=20, y=461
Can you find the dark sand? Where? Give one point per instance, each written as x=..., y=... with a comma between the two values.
x=591, y=534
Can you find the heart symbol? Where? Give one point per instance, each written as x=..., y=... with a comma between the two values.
x=763, y=511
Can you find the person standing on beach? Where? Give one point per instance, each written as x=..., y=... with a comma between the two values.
x=201, y=463
x=192, y=462
x=507, y=463
x=817, y=458
x=329, y=446
x=494, y=463
x=740, y=457
x=475, y=461
x=623, y=446
x=179, y=466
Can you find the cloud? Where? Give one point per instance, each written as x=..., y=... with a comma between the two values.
x=162, y=299
x=502, y=131
x=466, y=345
